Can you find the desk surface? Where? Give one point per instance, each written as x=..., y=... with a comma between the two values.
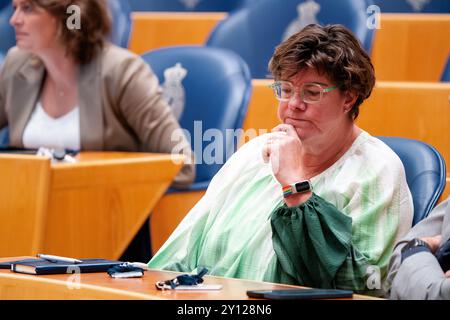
x=101, y=286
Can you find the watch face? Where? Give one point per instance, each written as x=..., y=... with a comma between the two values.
x=303, y=186
x=418, y=242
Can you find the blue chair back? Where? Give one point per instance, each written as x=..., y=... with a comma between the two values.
x=425, y=172
x=414, y=6
x=121, y=22
x=7, y=34
x=255, y=30
x=217, y=91
x=446, y=73
x=186, y=5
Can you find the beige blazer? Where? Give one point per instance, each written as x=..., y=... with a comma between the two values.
x=119, y=100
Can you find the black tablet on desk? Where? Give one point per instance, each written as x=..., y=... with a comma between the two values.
x=300, y=294
x=13, y=150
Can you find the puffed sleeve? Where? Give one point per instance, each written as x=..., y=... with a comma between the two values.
x=311, y=241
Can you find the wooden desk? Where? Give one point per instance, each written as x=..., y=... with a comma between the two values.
x=101, y=286
x=152, y=30
x=23, y=203
x=93, y=207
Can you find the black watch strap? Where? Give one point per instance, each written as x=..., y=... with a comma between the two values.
x=414, y=246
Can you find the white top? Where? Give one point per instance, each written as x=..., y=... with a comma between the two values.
x=44, y=131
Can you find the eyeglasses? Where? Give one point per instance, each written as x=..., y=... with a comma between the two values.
x=309, y=92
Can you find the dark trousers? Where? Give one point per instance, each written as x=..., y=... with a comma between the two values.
x=140, y=249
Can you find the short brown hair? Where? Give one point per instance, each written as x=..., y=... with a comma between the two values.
x=332, y=50
x=82, y=44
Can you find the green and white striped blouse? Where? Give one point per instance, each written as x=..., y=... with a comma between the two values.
x=229, y=232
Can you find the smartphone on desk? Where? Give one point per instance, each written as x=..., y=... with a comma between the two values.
x=300, y=294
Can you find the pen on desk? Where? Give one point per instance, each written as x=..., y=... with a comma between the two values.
x=52, y=258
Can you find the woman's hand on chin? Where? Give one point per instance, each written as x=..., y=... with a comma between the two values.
x=283, y=149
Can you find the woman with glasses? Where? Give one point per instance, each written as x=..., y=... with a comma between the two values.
x=317, y=202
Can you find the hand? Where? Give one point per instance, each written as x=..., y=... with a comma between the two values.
x=283, y=149
x=433, y=242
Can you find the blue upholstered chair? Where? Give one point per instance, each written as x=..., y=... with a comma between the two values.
x=255, y=30
x=446, y=73
x=7, y=35
x=121, y=17
x=414, y=6
x=120, y=32
x=186, y=5
x=425, y=172
x=217, y=89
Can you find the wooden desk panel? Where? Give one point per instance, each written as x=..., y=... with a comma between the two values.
x=90, y=208
x=101, y=286
x=413, y=110
x=23, y=202
x=152, y=30
x=411, y=47
x=97, y=205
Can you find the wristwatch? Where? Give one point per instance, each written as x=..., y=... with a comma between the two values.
x=299, y=187
x=414, y=246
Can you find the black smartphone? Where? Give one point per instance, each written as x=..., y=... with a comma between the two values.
x=302, y=294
